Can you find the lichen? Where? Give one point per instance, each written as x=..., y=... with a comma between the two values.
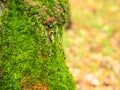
x=31, y=45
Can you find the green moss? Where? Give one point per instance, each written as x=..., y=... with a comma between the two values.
x=31, y=45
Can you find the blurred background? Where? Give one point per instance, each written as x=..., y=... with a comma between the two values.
x=92, y=44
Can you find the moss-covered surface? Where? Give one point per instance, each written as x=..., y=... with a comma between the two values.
x=31, y=46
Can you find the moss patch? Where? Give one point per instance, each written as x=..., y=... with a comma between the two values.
x=31, y=45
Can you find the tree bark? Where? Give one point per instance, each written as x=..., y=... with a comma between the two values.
x=31, y=52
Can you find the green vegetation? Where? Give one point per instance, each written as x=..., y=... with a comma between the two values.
x=31, y=45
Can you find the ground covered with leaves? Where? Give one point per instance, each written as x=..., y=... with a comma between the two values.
x=92, y=45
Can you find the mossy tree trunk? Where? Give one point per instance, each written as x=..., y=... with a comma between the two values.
x=31, y=52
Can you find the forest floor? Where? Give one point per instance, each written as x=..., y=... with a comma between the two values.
x=92, y=45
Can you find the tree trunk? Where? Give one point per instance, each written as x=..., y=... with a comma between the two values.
x=31, y=52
